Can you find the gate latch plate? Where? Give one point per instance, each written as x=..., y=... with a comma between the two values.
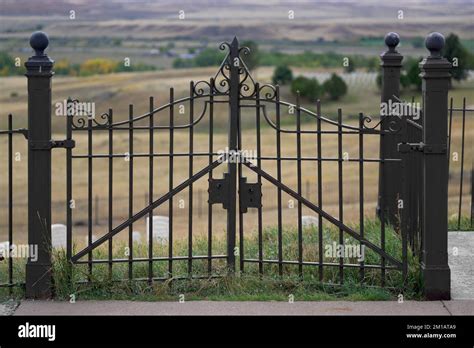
x=422, y=147
x=218, y=191
x=250, y=195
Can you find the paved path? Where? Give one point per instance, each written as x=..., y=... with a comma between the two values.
x=459, y=307
x=8, y=307
x=461, y=262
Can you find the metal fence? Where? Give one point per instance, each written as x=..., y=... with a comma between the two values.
x=412, y=164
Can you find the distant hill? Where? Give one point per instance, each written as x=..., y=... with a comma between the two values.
x=221, y=19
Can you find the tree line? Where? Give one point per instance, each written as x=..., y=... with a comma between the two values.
x=9, y=67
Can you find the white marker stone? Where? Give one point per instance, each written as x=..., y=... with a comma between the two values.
x=3, y=248
x=137, y=237
x=58, y=236
x=309, y=221
x=160, y=228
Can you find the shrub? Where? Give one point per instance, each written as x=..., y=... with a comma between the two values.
x=98, y=66
x=282, y=75
x=308, y=88
x=335, y=87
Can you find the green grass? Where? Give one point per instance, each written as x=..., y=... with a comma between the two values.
x=464, y=225
x=249, y=285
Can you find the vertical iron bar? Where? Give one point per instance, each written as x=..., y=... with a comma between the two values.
x=361, y=190
x=382, y=208
x=280, y=222
x=320, y=189
x=340, y=192
x=111, y=189
x=239, y=175
x=69, y=186
x=89, y=192
x=151, y=147
x=130, y=190
x=10, y=198
x=211, y=150
x=190, y=164
x=241, y=214
x=259, y=180
x=170, y=179
x=298, y=173
x=462, y=160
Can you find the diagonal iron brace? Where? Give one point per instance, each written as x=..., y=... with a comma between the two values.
x=148, y=209
x=318, y=210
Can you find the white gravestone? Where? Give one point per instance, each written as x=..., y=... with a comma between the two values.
x=3, y=249
x=309, y=221
x=160, y=228
x=137, y=237
x=58, y=235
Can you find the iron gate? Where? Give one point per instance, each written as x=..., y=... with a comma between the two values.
x=233, y=85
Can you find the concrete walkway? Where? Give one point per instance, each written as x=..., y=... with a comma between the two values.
x=459, y=307
x=461, y=262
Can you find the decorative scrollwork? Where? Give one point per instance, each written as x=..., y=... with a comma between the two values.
x=79, y=121
x=366, y=120
x=102, y=120
x=394, y=124
x=268, y=91
x=201, y=87
x=220, y=85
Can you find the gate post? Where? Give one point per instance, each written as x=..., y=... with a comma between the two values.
x=436, y=77
x=390, y=185
x=39, y=73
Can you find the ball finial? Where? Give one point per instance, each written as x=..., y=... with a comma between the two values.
x=434, y=43
x=39, y=41
x=392, y=40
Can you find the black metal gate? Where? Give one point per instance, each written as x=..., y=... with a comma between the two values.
x=233, y=85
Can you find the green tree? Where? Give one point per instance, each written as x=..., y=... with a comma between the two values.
x=457, y=54
x=282, y=75
x=418, y=42
x=335, y=87
x=7, y=64
x=413, y=74
x=308, y=88
x=208, y=57
x=373, y=64
x=252, y=60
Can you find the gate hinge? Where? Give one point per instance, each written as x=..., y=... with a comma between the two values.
x=422, y=147
x=50, y=144
x=218, y=191
x=250, y=195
